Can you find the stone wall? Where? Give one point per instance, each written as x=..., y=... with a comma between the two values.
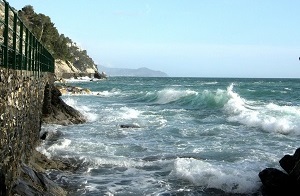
x=21, y=100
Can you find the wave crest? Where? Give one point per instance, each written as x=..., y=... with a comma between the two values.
x=268, y=117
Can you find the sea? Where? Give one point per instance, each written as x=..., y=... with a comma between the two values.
x=170, y=136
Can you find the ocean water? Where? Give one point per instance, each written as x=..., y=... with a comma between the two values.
x=196, y=136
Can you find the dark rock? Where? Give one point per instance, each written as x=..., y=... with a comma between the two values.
x=58, y=112
x=276, y=182
x=100, y=75
x=49, y=186
x=47, y=109
x=40, y=162
x=39, y=184
x=44, y=136
x=288, y=162
x=130, y=126
x=22, y=187
x=2, y=184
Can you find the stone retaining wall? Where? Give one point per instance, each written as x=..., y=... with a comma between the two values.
x=21, y=101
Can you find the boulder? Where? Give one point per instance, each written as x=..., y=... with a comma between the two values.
x=39, y=184
x=56, y=111
x=276, y=182
x=100, y=75
x=289, y=162
x=129, y=126
x=2, y=183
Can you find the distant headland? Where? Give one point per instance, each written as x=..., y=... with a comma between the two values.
x=140, y=72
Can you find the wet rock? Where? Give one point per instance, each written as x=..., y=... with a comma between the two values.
x=2, y=184
x=276, y=182
x=73, y=90
x=130, y=126
x=100, y=75
x=58, y=112
x=44, y=136
x=288, y=162
x=39, y=184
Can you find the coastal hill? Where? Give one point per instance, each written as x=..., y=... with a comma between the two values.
x=70, y=59
x=140, y=72
x=69, y=56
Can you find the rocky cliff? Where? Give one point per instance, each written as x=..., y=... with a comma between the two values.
x=63, y=68
x=26, y=101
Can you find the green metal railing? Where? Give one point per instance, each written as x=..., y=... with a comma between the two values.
x=20, y=49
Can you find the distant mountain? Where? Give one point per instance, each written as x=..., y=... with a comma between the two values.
x=140, y=72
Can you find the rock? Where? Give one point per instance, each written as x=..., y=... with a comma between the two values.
x=73, y=90
x=289, y=162
x=24, y=188
x=39, y=184
x=57, y=111
x=43, y=136
x=100, y=76
x=2, y=184
x=130, y=126
x=276, y=182
x=41, y=163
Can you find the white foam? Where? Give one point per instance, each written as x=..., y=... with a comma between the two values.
x=129, y=113
x=83, y=109
x=269, y=117
x=79, y=79
x=170, y=95
x=41, y=148
x=121, y=162
x=111, y=93
x=64, y=143
x=52, y=150
x=231, y=178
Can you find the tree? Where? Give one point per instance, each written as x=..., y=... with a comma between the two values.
x=60, y=46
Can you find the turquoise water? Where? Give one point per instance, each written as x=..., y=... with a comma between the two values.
x=197, y=136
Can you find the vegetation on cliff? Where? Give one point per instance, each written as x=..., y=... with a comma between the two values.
x=59, y=45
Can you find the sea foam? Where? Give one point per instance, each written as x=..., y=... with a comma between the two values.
x=83, y=109
x=170, y=95
x=266, y=116
x=229, y=178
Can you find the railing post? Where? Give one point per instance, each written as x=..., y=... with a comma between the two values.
x=30, y=53
x=6, y=35
x=21, y=46
x=26, y=50
x=14, y=52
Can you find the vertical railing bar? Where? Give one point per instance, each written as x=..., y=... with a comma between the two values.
x=30, y=50
x=14, y=52
x=6, y=36
x=26, y=51
x=37, y=59
x=21, y=46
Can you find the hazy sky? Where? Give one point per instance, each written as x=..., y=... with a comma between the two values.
x=198, y=38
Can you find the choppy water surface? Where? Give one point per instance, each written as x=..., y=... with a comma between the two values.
x=197, y=136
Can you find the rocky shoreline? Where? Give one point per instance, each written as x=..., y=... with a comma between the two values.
x=33, y=179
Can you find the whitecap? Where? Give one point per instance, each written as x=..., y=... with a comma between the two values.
x=170, y=95
x=83, y=109
x=231, y=178
x=269, y=117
